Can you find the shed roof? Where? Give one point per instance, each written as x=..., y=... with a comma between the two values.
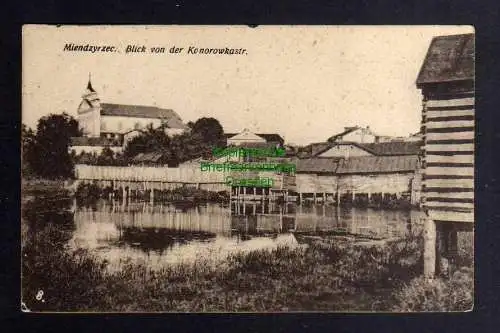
x=317, y=165
x=377, y=164
x=140, y=111
x=392, y=148
x=358, y=165
x=449, y=58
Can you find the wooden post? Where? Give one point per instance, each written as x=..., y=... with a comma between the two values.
x=300, y=198
x=324, y=198
x=429, y=248
x=281, y=220
x=447, y=248
x=453, y=247
x=314, y=197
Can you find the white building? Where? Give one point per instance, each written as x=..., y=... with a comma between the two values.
x=116, y=122
x=248, y=137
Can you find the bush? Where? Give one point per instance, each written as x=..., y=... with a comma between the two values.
x=454, y=294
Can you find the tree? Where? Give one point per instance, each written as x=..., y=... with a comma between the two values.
x=209, y=129
x=107, y=157
x=27, y=149
x=49, y=157
x=204, y=134
x=148, y=141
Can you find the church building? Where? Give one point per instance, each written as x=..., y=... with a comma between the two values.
x=108, y=124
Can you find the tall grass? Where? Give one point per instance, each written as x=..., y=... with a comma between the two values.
x=337, y=277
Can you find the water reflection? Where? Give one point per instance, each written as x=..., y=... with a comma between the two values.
x=163, y=234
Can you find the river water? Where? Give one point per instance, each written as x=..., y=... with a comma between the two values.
x=158, y=235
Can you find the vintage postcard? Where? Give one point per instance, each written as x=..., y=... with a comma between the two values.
x=240, y=169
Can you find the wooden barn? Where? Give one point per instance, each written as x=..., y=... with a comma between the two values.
x=358, y=178
x=446, y=80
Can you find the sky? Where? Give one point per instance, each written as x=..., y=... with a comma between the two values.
x=304, y=82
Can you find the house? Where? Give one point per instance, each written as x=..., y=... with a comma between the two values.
x=114, y=121
x=446, y=80
x=354, y=134
x=237, y=139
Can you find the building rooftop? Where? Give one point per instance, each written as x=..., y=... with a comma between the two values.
x=377, y=164
x=449, y=58
x=358, y=165
x=317, y=165
x=168, y=115
x=391, y=148
x=394, y=148
x=269, y=137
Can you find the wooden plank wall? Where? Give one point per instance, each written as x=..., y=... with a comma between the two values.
x=448, y=185
x=394, y=183
x=148, y=174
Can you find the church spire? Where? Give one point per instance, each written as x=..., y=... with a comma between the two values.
x=89, y=85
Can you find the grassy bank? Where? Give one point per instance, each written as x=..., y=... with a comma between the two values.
x=39, y=186
x=319, y=277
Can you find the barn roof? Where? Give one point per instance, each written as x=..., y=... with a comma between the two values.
x=358, y=165
x=140, y=111
x=391, y=148
x=394, y=148
x=317, y=165
x=449, y=58
x=377, y=164
x=92, y=141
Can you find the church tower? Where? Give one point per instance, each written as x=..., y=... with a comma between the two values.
x=89, y=111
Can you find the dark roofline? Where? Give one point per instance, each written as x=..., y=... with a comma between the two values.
x=419, y=83
x=103, y=110
x=359, y=145
x=346, y=131
x=338, y=170
x=230, y=135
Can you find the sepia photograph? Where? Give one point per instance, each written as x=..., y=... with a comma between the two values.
x=216, y=169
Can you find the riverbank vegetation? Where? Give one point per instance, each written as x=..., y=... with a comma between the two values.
x=321, y=276
x=88, y=193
